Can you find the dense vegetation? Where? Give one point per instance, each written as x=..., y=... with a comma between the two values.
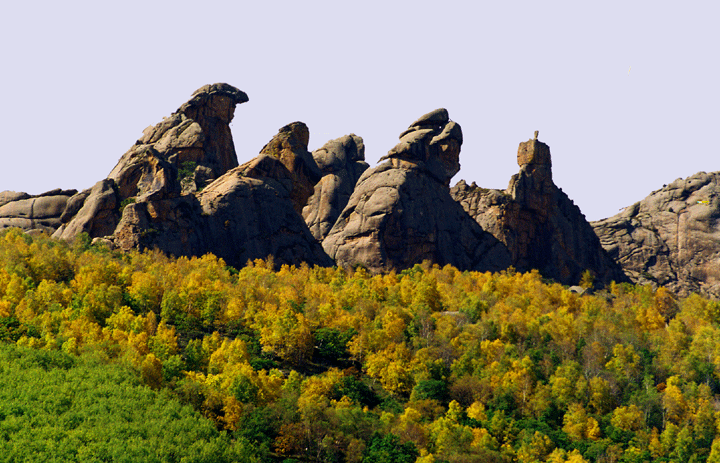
x=58, y=407
x=106, y=355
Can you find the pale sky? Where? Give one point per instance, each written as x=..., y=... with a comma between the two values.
x=624, y=92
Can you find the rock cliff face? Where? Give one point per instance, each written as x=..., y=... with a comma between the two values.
x=541, y=227
x=672, y=237
x=341, y=162
x=39, y=213
x=401, y=211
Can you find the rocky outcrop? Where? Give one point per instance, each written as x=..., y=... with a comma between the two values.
x=541, y=227
x=250, y=217
x=289, y=146
x=180, y=155
x=237, y=217
x=432, y=143
x=180, y=189
x=401, y=211
x=97, y=212
x=342, y=162
x=186, y=150
x=671, y=238
x=39, y=213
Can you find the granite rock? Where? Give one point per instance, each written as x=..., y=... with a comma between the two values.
x=432, y=143
x=401, y=212
x=289, y=146
x=178, y=156
x=541, y=227
x=39, y=213
x=237, y=218
x=671, y=238
x=97, y=214
x=342, y=162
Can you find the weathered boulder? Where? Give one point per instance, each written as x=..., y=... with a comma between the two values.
x=541, y=227
x=33, y=213
x=342, y=162
x=433, y=143
x=146, y=174
x=172, y=225
x=401, y=211
x=671, y=238
x=9, y=196
x=289, y=146
x=98, y=211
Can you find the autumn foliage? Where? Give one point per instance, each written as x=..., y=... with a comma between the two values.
x=430, y=364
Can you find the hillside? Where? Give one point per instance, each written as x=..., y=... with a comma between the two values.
x=323, y=364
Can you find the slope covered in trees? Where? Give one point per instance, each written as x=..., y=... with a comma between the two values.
x=320, y=364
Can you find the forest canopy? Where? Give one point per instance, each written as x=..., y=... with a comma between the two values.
x=188, y=359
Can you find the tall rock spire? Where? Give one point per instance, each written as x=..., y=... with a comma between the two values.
x=541, y=227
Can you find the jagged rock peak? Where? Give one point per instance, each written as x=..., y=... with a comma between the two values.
x=432, y=142
x=541, y=227
x=294, y=137
x=289, y=146
x=433, y=119
x=197, y=134
x=202, y=97
x=180, y=155
x=335, y=154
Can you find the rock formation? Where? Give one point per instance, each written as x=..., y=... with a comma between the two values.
x=40, y=213
x=672, y=237
x=342, y=162
x=541, y=227
x=180, y=189
x=401, y=211
x=289, y=146
x=180, y=154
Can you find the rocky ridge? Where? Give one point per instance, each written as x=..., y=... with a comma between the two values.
x=670, y=238
x=180, y=189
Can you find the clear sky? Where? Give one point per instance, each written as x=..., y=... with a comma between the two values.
x=624, y=92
